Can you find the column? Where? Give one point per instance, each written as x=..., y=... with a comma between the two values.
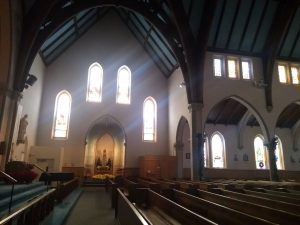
x=196, y=141
x=271, y=146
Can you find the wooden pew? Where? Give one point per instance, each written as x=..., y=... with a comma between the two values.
x=149, y=184
x=215, y=212
x=284, y=194
x=129, y=189
x=259, y=192
x=288, y=207
x=160, y=210
x=126, y=213
x=263, y=212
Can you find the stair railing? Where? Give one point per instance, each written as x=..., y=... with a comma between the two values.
x=12, y=181
x=45, y=172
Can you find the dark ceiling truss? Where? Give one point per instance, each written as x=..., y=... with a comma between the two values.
x=194, y=52
x=289, y=117
x=56, y=14
x=282, y=18
x=56, y=44
x=151, y=40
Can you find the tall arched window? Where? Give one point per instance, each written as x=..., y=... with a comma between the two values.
x=94, y=86
x=149, y=119
x=62, y=111
x=123, y=85
x=218, y=150
x=279, y=155
x=260, y=153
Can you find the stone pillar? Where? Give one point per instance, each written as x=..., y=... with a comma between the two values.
x=179, y=154
x=10, y=100
x=196, y=141
x=271, y=146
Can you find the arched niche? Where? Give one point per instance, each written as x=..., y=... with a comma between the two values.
x=182, y=147
x=105, y=147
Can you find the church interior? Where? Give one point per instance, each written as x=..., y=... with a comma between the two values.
x=160, y=104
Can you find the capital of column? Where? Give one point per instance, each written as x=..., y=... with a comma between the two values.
x=195, y=106
x=271, y=146
x=14, y=95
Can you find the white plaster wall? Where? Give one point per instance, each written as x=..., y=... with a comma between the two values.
x=111, y=44
x=178, y=106
x=30, y=105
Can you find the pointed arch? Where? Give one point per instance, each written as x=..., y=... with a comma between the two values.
x=149, y=119
x=123, y=85
x=218, y=150
x=94, y=84
x=60, y=128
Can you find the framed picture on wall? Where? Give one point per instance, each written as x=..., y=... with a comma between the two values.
x=187, y=155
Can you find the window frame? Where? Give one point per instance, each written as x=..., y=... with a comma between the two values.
x=149, y=98
x=249, y=61
x=286, y=66
x=237, y=69
x=54, y=125
x=118, y=86
x=88, y=99
x=222, y=67
x=291, y=73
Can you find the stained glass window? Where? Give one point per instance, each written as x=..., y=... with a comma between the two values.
x=279, y=155
x=246, y=69
x=62, y=115
x=123, y=85
x=295, y=74
x=217, y=67
x=218, y=150
x=282, y=74
x=232, y=68
x=260, y=153
x=94, y=87
x=149, y=119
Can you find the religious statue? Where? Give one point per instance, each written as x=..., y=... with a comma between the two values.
x=22, y=129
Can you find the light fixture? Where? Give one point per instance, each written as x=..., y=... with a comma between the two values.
x=182, y=84
x=31, y=79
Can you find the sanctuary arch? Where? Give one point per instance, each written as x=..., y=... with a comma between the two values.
x=105, y=147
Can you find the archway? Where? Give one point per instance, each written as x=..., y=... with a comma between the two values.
x=182, y=147
x=105, y=147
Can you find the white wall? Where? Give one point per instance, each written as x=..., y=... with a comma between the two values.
x=178, y=106
x=30, y=105
x=112, y=45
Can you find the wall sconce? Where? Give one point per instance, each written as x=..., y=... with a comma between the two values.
x=31, y=79
x=182, y=84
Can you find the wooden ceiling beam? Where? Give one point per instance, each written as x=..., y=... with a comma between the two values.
x=32, y=22
x=282, y=18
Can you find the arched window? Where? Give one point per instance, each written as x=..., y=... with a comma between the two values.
x=62, y=111
x=260, y=153
x=123, y=85
x=218, y=150
x=94, y=86
x=149, y=119
x=279, y=155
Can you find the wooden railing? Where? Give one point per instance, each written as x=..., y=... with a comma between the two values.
x=33, y=212
x=64, y=189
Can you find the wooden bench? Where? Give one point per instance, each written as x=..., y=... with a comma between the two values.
x=263, y=212
x=149, y=184
x=261, y=193
x=126, y=212
x=129, y=188
x=288, y=207
x=215, y=212
x=161, y=210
